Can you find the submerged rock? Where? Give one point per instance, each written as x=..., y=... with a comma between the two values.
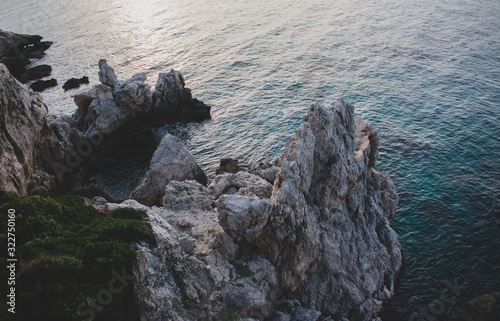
x=228, y=165
x=41, y=85
x=483, y=308
x=75, y=83
x=171, y=161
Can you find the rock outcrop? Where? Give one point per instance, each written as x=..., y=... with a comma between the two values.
x=30, y=142
x=75, y=83
x=318, y=246
x=16, y=50
x=22, y=121
x=119, y=110
x=41, y=85
x=48, y=155
x=172, y=100
x=171, y=161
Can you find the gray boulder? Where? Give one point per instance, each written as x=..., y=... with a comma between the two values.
x=171, y=161
x=241, y=183
x=185, y=195
x=106, y=74
x=173, y=101
x=243, y=217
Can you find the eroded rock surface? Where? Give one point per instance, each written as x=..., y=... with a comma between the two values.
x=171, y=161
x=320, y=248
x=30, y=142
x=118, y=109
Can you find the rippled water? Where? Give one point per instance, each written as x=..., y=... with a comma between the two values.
x=426, y=73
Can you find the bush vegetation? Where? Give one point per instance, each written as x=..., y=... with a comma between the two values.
x=66, y=253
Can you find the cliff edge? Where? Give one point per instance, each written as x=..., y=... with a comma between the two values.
x=316, y=245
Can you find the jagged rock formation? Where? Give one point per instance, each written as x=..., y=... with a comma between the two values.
x=172, y=100
x=117, y=110
x=171, y=161
x=317, y=246
x=16, y=51
x=22, y=120
x=29, y=142
x=47, y=155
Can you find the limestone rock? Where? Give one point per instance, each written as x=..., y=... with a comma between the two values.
x=171, y=161
x=22, y=121
x=226, y=246
x=264, y=170
x=31, y=143
x=120, y=110
x=243, y=217
x=106, y=74
x=173, y=101
x=242, y=183
x=185, y=195
x=330, y=236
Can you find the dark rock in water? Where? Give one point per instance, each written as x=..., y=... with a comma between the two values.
x=91, y=192
x=16, y=50
x=36, y=72
x=13, y=44
x=75, y=83
x=228, y=165
x=41, y=85
x=37, y=50
x=174, y=101
x=483, y=308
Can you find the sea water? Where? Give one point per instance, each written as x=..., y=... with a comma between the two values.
x=425, y=73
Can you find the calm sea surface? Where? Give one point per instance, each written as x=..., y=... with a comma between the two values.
x=426, y=73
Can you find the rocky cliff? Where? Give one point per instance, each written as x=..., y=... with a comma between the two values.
x=307, y=239
x=316, y=245
x=28, y=141
x=47, y=155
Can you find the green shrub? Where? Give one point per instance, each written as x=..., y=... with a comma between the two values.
x=66, y=253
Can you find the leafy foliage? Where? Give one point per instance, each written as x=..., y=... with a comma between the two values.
x=66, y=253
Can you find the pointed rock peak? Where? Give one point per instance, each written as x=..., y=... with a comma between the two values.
x=106, y=74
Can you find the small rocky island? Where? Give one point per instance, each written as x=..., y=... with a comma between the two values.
x=306, y=239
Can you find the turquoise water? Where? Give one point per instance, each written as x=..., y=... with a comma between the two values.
x=426, y=73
